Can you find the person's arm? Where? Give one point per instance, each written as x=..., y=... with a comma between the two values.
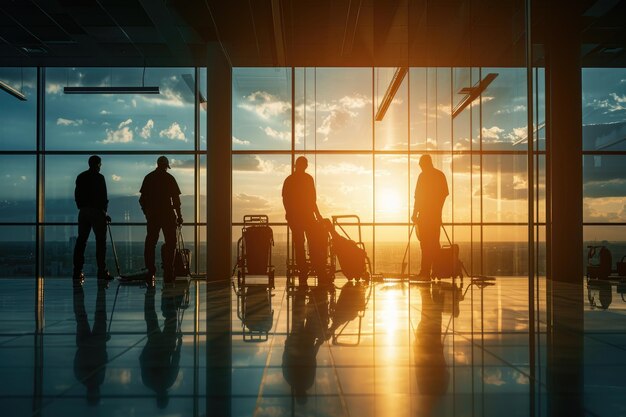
x=416, y=201
x=176, y=201
x=105, y=200
x=316, y=210
x=77, y=195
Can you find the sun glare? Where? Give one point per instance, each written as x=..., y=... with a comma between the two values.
x=388, y=201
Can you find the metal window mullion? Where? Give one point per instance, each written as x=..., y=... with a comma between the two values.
x=196, y=177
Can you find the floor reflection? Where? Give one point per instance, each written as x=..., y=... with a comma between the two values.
x=386, y=348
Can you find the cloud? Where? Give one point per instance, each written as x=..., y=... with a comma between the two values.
x=275, y=134
x=116, y=178
x=512, y=109
x=182, y=163
x=264, y=105
x=610, y=188
x=336, y=120
x=126, y=122
x=343, y=168
x=53, y=88
x=68, y=122
x=357, y=101
x=251, y=202
x=146, y=131
x=492, y=132
x=104, y=112
x=167, y=97
x=609, y=105
x=122, y=134
x=518, y=133
x=511, y=188
x=237, y=141
x=254, y=163
x=173, y=132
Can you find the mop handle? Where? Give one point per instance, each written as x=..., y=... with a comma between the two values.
x=117, y=263
x=407, y=246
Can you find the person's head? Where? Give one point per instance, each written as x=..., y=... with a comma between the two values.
x=95, y=162
x=301, y=164
x=426, y=162
x=163, y=163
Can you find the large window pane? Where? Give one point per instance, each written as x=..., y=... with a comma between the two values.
x=123, y=174
x=18, y=127
x=17, y=253
x=604, y=121
x=342, y=108
x=17, y=188
x=120, y=121
x=504, y=110
x=344, y=185
x=505, y=188
x=604, y=188
x=392, y=131
x=393, y=194
x=261, y=109
x=257, y=185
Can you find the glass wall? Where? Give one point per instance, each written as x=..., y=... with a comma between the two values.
x=367, y=165
x=128, y=131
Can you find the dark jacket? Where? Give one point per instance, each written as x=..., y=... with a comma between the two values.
x=430, y=194
x=91, y=191
x=299, y=197
x=159, y=193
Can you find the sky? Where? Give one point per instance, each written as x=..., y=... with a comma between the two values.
x=334, y=108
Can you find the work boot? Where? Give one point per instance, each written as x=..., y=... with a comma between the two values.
x=78, y=278
x=104, y=275
x=150, y=283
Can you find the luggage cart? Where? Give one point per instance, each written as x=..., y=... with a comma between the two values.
x=254, y=250
x=350, y=253
x=254, y=309
x=350, y=306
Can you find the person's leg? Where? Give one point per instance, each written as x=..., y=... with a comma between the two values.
x=84, y=227
x=317, y=241
x=169, y=234
x=297, y=234
x=430, y=233
x=100, y=230
x=152, y=237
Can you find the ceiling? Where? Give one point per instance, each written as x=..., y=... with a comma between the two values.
x=293, y=32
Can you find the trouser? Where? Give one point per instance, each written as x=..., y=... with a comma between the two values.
x=298, y=230
x=167, y=223
x=317, y=242
x=91, y=218
x=428, y=233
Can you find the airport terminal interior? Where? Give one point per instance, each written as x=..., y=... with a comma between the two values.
x=521, y=106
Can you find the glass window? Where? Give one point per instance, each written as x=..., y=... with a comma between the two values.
x=342, y=109
x=257, y=185
x=604, y=121
x=261, y=112
x=604, y=188
x=18, y=127
x=17, y=188
x=120, y=121
x=392, y=131
x=124, y=176
x=17, y=253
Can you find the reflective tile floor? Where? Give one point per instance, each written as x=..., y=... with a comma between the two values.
x=386, y=349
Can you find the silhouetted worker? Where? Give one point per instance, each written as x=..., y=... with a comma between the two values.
x=303, y=342
x=91, y=356
x=430, y=194
x=160, y=358
x=160, y=202
x=91, y=199
x=431, y=371
x=302, y=214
